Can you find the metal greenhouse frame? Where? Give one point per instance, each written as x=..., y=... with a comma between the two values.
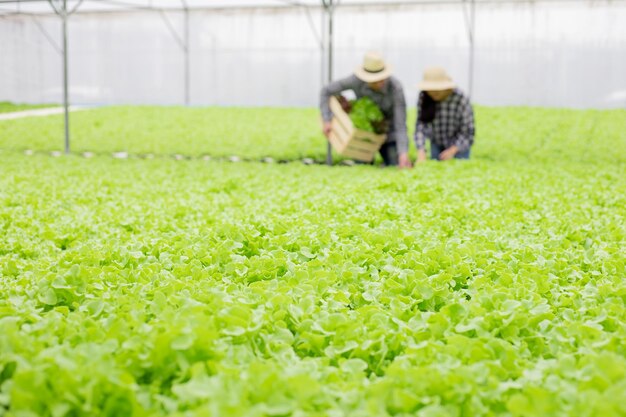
x=65, y=9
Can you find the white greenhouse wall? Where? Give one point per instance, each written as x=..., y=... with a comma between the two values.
x=558, y=54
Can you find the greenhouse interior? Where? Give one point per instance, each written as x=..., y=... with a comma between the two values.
x=313, y=208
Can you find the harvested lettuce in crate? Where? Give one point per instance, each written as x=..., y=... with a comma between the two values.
x=366, y=115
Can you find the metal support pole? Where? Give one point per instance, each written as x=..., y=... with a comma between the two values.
x=323, y=36
x=330, y=9
x=64, y=13
x=330, y=42
x=65, y=80
x=186, y=50
x=472, y=41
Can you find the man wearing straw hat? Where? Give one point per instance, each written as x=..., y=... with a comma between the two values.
x=373, y=79
x=444, y=116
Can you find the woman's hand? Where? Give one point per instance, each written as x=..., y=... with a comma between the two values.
x=421, y=156
x=448, y=153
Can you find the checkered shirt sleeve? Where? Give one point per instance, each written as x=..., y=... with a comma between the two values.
x=422, y=130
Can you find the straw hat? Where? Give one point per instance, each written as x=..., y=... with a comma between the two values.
x=436, y=79
x=373, y=69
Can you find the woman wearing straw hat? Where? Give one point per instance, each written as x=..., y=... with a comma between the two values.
x=373, y=79
x=444, y=116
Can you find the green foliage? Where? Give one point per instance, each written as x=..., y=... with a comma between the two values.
x=365, y=114
x=491, y=287
x=503, y=134
x=249, y=133
x=7, y=106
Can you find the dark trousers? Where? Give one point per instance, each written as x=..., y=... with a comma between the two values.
x=389, y=152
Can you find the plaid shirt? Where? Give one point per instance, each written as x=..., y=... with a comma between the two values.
x=390, y=101
x=453, y=123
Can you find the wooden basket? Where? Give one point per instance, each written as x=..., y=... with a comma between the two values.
x=349, y=141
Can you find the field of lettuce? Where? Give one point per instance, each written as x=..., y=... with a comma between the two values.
x=507, y=134
x=162, y=287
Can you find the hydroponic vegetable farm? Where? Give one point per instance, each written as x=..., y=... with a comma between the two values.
x=190, y=226
x=193, y=287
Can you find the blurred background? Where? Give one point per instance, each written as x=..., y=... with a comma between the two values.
x=556, y=53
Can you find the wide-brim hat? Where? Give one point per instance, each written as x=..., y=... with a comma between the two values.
x=436, y=79
x=374, y=68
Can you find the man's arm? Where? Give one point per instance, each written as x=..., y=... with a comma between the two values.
x=399, y=125
x=349, y=83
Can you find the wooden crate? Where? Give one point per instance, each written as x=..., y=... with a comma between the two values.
x=349, y=141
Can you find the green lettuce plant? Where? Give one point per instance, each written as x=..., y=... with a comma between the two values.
x=366, y=115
